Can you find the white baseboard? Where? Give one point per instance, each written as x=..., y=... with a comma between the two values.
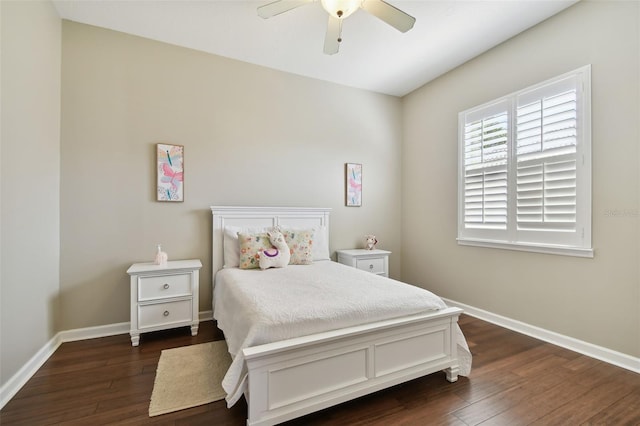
x=18, y=380
x=594, y=351
x=94, y=332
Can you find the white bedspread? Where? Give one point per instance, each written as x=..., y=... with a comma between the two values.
x=254, y=307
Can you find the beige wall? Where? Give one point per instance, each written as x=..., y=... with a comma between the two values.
x=252, y=136
x=596, y=300
x=30, y=180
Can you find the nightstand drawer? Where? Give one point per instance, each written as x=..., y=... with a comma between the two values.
x=375, y=261
x=375, y=265
x=164, y=286
x=159, y=314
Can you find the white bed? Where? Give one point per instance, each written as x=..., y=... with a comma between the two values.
x=329, y=355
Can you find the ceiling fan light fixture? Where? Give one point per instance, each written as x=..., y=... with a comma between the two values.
x=340, y=8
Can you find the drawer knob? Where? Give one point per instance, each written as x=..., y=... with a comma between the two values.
x=165, y=313
x=166, y=286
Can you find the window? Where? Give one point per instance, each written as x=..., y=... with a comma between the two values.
x=525, y=169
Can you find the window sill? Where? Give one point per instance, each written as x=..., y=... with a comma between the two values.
x=535, y=248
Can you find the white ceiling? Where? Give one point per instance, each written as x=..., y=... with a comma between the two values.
x=373, y=55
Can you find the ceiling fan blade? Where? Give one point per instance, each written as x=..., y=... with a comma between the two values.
x=280, y=6
x=389, y=14
x=333, y=37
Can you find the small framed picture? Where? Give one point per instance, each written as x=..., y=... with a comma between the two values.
x=353, y=181
x=170, y=172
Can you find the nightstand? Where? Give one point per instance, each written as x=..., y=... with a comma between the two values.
x=374, y=261
x=164, y=297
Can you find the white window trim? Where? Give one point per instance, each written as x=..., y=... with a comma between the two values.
x=583, y=190
x=535, y=248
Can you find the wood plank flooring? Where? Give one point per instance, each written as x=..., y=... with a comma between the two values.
x=516, y=380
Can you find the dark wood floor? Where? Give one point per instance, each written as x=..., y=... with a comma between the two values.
x=516, y=380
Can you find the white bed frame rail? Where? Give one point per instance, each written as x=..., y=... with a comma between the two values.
x=294, y=377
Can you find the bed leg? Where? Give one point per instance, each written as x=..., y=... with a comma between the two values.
x=452, y=373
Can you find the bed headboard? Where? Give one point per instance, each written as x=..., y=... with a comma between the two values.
x=258, y=217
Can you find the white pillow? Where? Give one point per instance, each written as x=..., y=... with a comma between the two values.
x=320, y=249
x=231, y=246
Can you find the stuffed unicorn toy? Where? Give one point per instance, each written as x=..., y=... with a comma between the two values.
x=277, y=257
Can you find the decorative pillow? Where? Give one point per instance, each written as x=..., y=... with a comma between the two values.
x=231, y=247
x=250, y=247
x=300, y=242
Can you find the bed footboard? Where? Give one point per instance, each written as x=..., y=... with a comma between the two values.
x=298, y=376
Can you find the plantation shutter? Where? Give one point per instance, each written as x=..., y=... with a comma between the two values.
x=484, y=145
x=546, y=139
x=485, y=170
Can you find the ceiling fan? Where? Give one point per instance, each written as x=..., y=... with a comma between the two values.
x=338, y=10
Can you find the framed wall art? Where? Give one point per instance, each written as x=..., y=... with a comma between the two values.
x=353, y=174
x=170, y=172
